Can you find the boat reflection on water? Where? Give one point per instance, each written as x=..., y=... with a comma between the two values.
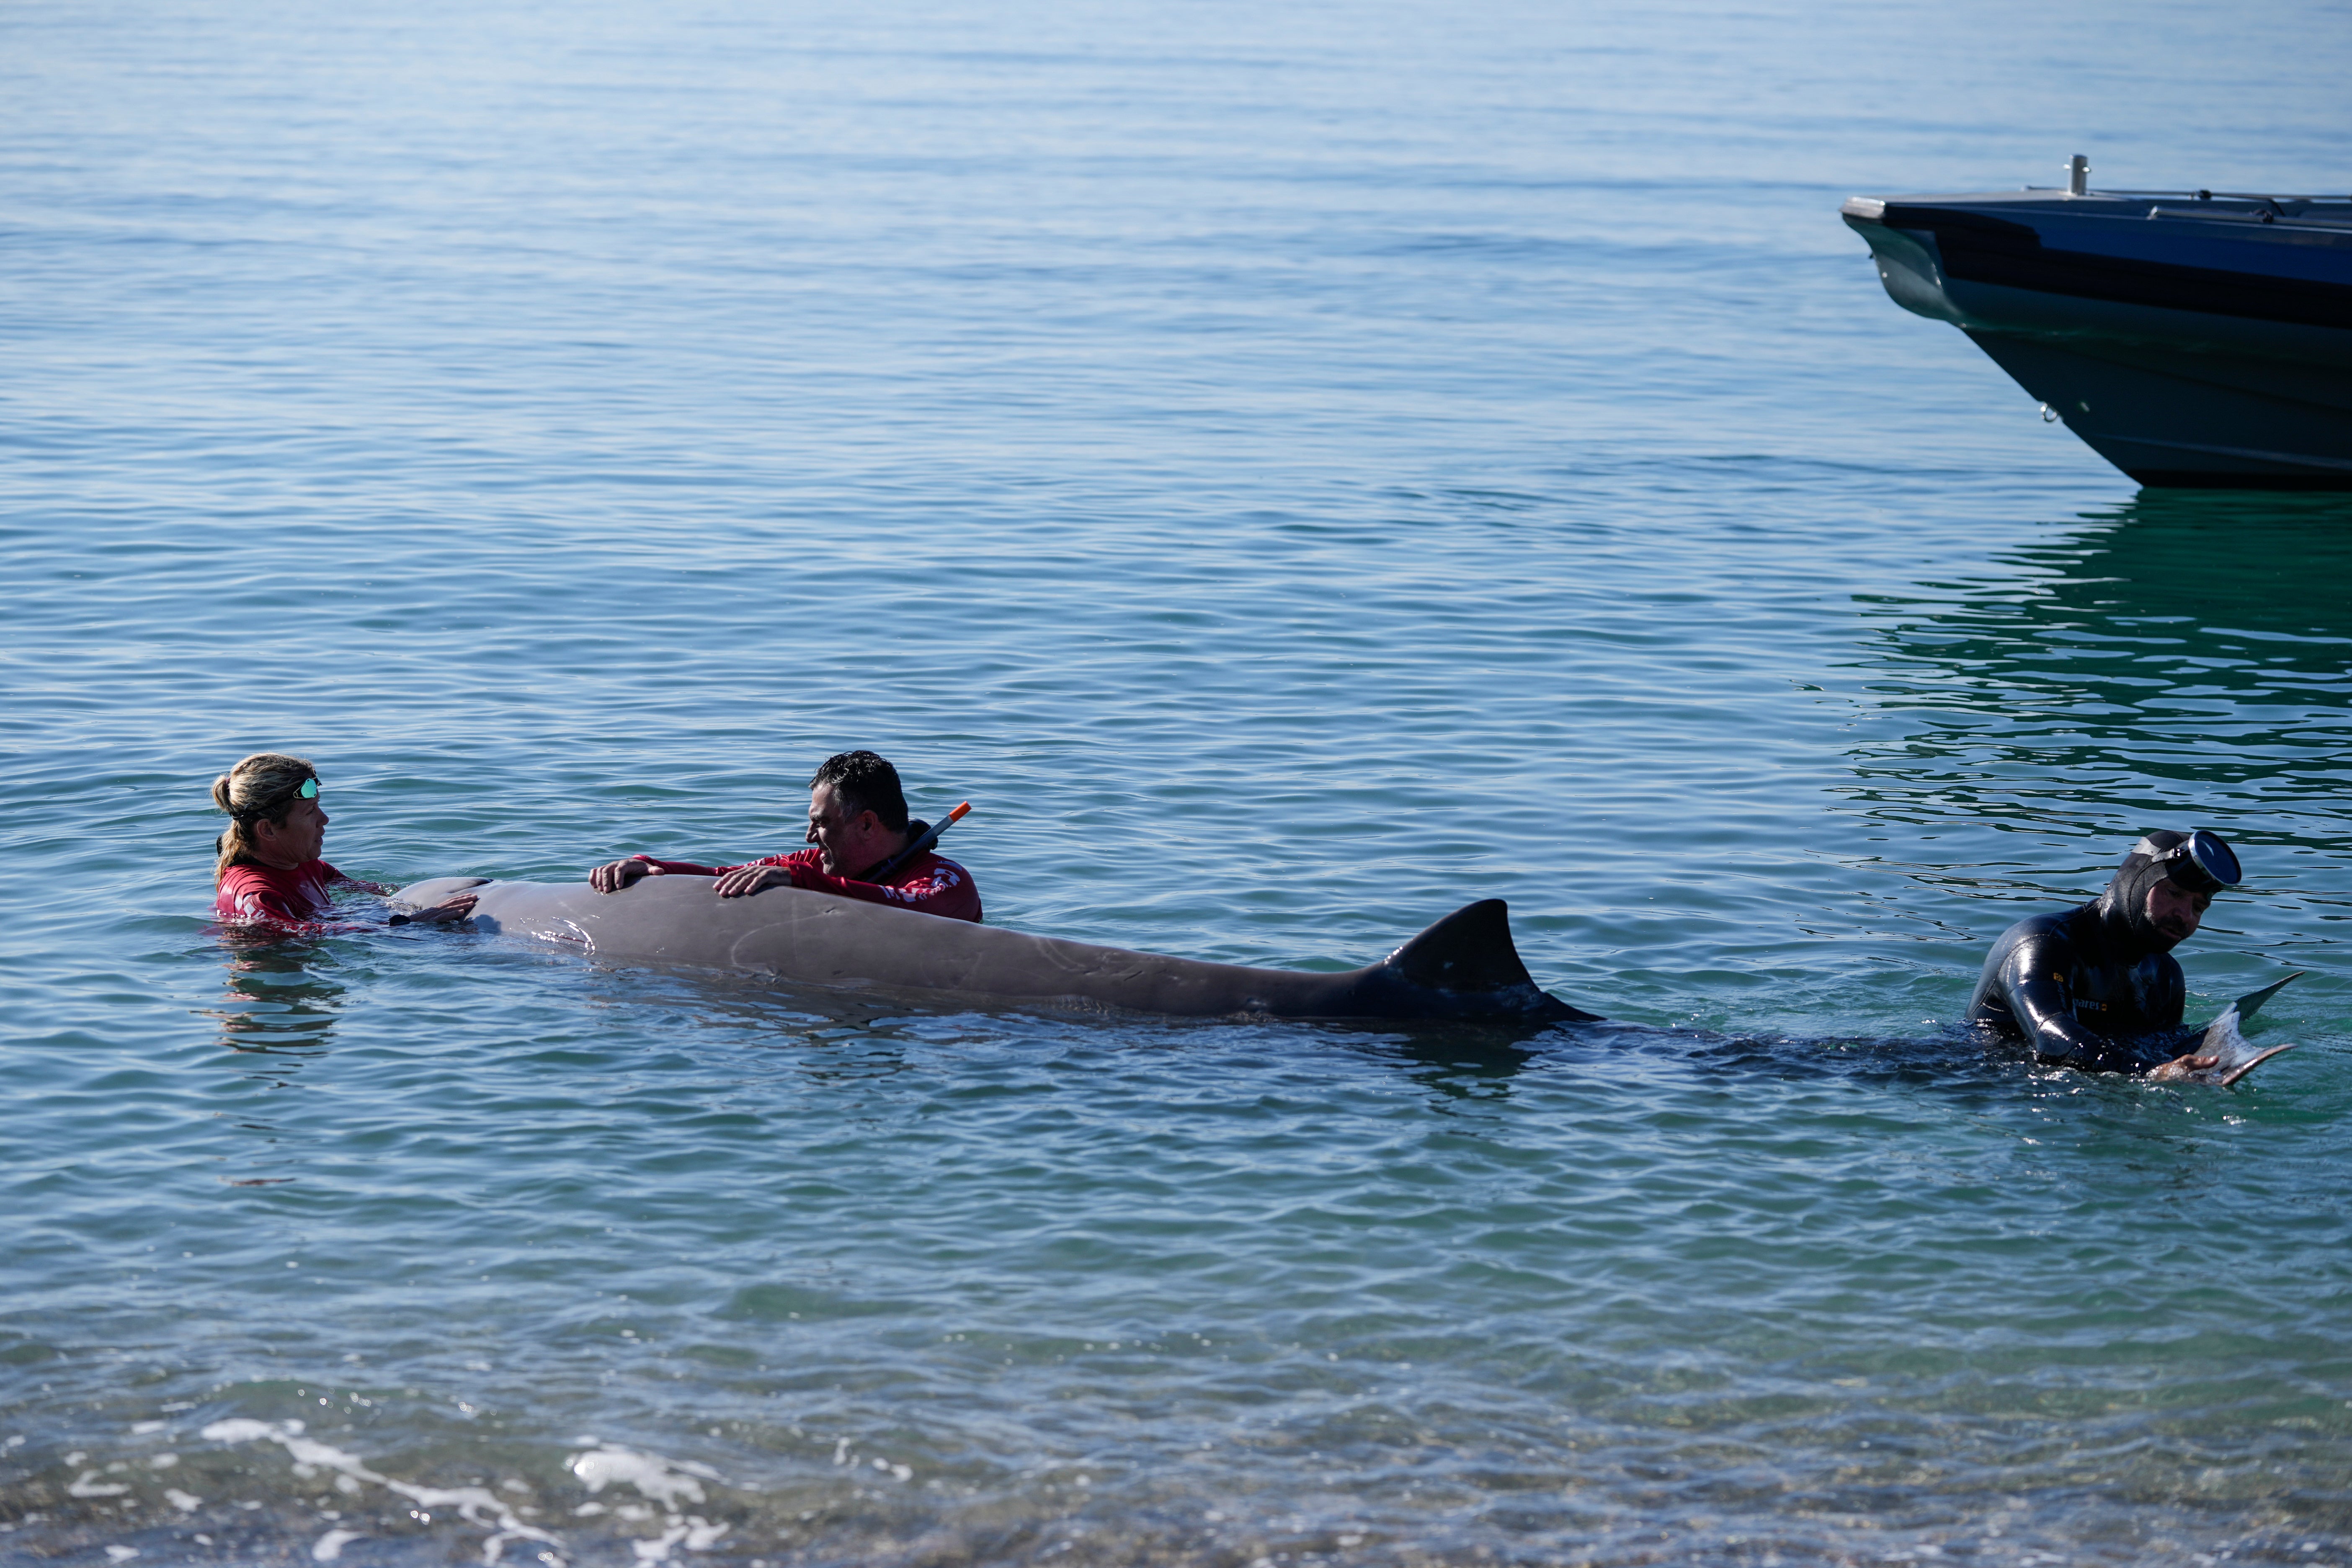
x=2184, y=656
x=2270, y=564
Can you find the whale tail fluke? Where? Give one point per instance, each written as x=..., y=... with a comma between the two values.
x=2251, y=1003
x=1469, y=960
x=2225, y=1040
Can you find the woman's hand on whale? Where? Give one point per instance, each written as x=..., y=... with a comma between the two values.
x=614, y=875
x=752, y=879
x=448, y=911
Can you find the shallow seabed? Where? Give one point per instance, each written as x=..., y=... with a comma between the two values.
x=1296, y=469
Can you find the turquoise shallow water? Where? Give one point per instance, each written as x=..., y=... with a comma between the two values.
x=1295, y=470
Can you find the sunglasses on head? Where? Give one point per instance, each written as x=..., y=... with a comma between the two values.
x=307, y=790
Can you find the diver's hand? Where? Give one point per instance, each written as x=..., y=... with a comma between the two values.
x=448, y=911
x=752, y=879
x=2179, y=1068
x=614, y=875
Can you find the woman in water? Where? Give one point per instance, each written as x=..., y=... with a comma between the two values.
x=269, y=867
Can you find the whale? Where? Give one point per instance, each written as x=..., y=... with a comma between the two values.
x=1465, y=967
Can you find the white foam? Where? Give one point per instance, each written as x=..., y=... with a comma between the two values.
x=241, y=1430
x=476, y=1505
x=186, y=1502
x=693, y=1532
x=663, y=1482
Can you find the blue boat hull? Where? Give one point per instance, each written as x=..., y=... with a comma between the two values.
x=2189, y=340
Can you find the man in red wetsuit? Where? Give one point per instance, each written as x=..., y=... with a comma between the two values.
x=857, y=822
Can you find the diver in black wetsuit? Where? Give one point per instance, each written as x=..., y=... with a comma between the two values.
x=2084, y=985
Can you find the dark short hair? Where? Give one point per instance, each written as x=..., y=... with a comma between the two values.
x=863, y=782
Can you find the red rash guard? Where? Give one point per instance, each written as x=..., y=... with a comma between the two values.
x=929, y=882
x=250, y=892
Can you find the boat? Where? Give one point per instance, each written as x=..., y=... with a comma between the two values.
x=2191, y=338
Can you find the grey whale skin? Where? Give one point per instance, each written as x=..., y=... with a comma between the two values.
x=1464, y=967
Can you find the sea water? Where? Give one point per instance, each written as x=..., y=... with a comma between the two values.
x=1296, y=469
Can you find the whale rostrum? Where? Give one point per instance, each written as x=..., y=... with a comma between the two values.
x=1464, y=967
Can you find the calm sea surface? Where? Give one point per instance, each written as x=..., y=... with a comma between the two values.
x=1296, y=467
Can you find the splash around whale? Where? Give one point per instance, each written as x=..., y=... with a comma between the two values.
x=1465, y=967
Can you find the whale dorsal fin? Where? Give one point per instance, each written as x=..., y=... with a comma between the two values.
x=1469, y=950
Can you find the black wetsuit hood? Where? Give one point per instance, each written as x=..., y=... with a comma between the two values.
x=2123, y=908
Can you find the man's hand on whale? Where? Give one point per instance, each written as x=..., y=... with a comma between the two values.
x=614, y=875
x=848, y=841
x=2188, y=1066
x=857, y=824
x=2082, y=985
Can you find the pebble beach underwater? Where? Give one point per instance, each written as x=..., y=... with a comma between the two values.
x=1297, y=469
